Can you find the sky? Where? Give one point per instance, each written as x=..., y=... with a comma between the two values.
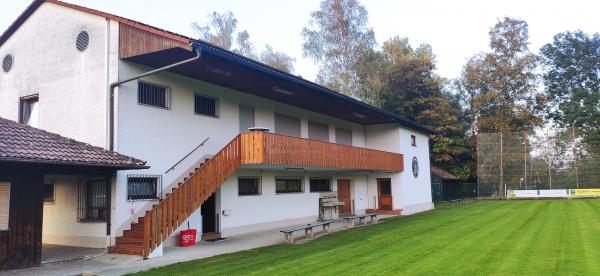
x=456, y=30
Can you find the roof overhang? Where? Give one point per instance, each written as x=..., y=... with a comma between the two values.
x=236, y=72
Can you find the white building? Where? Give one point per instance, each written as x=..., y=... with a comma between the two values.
x=62, y=71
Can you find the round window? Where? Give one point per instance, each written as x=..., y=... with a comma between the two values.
x=83, y=41
x=7, y=63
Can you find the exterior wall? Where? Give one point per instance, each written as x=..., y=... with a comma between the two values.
x=60, y=218
x=270, y=210
x=72, y=85
x=409, y=193
x=163, y=136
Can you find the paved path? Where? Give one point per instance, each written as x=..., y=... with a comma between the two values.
x=115, y=264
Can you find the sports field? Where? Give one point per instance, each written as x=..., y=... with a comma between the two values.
x=486, y=237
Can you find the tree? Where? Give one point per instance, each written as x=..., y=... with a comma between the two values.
x=411, y=88
x=221, y=30
x=500, y=87
x=278, y=60
x=572, y=80
x=336, y=39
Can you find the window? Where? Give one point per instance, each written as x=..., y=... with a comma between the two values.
x=288, y=185
x=320, y=185
x=153, y=95
x=205, y=106
x=249, y=186
x=287, y=125
x=29, y=110
x=4, y=205
x=143, y=186
x=413, y=140
x=49, y=191
x=318, y=131
x=93, y=200
x=343, y=136
x=246, y=118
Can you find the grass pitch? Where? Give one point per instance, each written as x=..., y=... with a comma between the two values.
x=486, y=237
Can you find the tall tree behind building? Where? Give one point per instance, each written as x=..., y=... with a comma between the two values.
x=221, y=30
x=500, y=87
x=412, y=89
x=336, y=39
x=572, y=82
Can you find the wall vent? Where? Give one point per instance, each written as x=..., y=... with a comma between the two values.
x=7, y=63
x=83, y=41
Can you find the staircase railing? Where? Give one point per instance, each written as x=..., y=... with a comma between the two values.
x=164, y=218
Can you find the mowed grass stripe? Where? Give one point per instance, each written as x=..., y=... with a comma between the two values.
x=487, y=237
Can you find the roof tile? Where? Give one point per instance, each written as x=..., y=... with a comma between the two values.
x=22, y=143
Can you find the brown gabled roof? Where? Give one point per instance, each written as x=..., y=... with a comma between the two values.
x=37, y=3
x=22, y=143
x=442, y=173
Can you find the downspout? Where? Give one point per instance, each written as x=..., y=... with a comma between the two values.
x=113, y=85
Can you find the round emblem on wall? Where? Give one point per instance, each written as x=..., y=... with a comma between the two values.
x=415, y=166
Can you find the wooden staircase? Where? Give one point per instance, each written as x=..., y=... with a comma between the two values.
x=164, y=218
x=245, y=149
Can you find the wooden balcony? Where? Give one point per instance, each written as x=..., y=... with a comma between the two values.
x=264, y=148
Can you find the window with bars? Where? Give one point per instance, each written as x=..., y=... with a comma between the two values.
x=49, y=191
x=140, y=187
x=204, y=105
x=93, y=200
x=320, y=185
x=288, y=185
x=249, y=185
x=154, y=95
x=413, y=140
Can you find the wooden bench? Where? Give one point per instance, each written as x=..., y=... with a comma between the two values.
x=362, y=219
x=288, y=234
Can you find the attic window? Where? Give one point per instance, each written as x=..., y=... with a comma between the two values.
x=83, y=40
x=7, y=63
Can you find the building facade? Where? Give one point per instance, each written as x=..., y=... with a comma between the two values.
x=63, y=68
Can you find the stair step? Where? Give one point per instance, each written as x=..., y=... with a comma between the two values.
x=211, y=235
x=129, y=250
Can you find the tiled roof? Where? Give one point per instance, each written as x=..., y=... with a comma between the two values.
x=442, y=173
x=22, y=143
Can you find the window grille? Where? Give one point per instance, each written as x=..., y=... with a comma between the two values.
x=205, y=106
x=140, y=187
x=288, y=185
x=93, y=199
x=153, y=95
x=249, y=186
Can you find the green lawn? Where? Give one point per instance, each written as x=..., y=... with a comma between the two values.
x=487, y=237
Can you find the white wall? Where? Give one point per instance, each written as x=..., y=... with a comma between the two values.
x=71, y=84
x=60, y=225
x=270, y=210
x=409, y=193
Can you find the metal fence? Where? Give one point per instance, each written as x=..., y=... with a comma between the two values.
x=547, y=159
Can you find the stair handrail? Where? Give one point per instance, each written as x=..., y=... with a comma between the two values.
x=187, y=155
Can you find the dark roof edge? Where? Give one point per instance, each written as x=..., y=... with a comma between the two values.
x=75, y=163
x=19, y=21
x=252, y=64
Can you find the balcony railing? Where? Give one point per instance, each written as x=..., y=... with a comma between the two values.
x=274, y=149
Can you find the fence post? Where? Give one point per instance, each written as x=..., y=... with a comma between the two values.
x=575, y=159
x=501, y=164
